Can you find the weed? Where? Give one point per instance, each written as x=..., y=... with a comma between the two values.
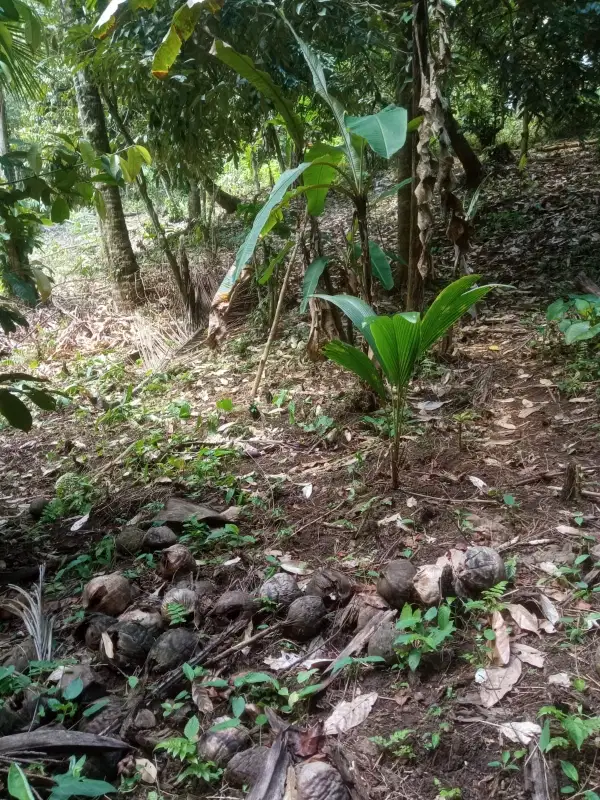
x=446, y=794
x=397, y=744
x=432, y=739
x=184, y=748
x=508, y=761
x=198, y=535
x=170, y=707
x=425, y=633
x=575, y=727
x=178, y=614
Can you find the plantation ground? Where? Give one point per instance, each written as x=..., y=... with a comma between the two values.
x=493, y=426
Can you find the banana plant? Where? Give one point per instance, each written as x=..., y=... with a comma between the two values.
x=397, y=342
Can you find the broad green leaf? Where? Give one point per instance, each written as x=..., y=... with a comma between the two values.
x=41, y=399
x=182, y=26
x=353, y=359
x=320, y=175
x=88, y=154
x=238, y=706
x=15, y=411
x=244, y=254
x=73, y=689
x=134, y=162
x=450, y=304
x=96, y=707
x=191, y=729
x=274, y=263
x=381, y=266
x=86, y=190
x=414, y=659
x=393, y=190
x=311, y=279
x=576, y=730
x=60, y=210
x=228, y=723
x=544, y=743
x=443, y=619
x=263, y=82
x=225, y=404
x=398, y=341
x=253, y=677
x=99, y=204
x=384, y=131
x=580, y=331
x=70, y=786
x=413, y=125
x=18, y=785
x=556, y=309
x=320, y=84
x=570, y=771
x=143, y=151
x=42, y=282
x=358, y=311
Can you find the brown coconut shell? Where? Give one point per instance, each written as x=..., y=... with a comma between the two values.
x=171, y=649
x=176, y=562
x=281, y=589
x=232, y=605
x=395, y=584
x=305, y=618
x=107, y=594
x=130, y=644
x=220, y=746
x=332, y=586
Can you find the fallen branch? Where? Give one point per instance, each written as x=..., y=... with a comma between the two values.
x=46, y=740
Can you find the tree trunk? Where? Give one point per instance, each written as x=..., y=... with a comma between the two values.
x=414, y=288
x=404, y=171
x=272, y=134
x=360, y=204
x=194, y=204
x=474, y=171
x=524, y=147
x=227, y=201
x=121, y=259
x=15, y=272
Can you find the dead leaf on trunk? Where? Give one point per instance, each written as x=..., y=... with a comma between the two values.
x=528, y=655
x=498, y=682
x=348, y=714
x=501, y=651
x=524, y=618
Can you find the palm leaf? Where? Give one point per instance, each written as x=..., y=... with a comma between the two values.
x=358, y=311
x=449, y=306
x=311, y=279
x=31, y=611
x=353, y=359
x=398, y=339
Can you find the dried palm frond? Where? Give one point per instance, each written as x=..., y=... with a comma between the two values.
x=31, y=611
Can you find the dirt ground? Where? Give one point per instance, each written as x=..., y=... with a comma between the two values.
x=494, y=425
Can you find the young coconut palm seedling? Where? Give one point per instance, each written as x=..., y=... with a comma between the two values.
x=397, y=342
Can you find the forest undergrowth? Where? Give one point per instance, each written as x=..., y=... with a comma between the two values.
x=495, y=425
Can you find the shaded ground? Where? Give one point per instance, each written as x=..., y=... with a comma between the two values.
x=493, y=427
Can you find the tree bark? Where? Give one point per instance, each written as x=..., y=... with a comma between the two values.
x=414, y=288
x=194, y=204
x=474, y=171
x=121, y=259
x=404, y=171
x=227, y=201
x=524, y=147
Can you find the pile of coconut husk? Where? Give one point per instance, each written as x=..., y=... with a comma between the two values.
x=217, y=630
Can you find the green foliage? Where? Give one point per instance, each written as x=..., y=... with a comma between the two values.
x=508, y=761
x=69, y=785
x=311, y=279
x=13, y=386
x=178, y=614
x=577, y=318
x=575, y=727
x=384, y=131
x=398, y=743
x=423, y=633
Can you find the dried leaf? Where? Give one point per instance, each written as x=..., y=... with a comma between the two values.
x=307, y=490
x=81, y=522
x=296, y=567
x=506, y=424
x=347, y=715
x=522, y=732
x=200, y=697
x=549, y=610
x=412, y=502
x=527, y=412
x=146, y=770
x=478, y=483
x=549, y=568
x=309, y=742
x=524, y=618
x=284, y=661
x=498, y=682
x=107, y=645
x=528, y=655
x=501, y=651
x=560, y=679
x=291, y=789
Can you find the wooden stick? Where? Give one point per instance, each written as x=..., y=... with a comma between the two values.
x=263, y=359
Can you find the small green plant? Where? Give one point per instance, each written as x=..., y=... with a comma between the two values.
x=423, y=633
x=199, y=535
x=432, y=739
x=575, y=785
x=446, y=794
x=11, y=683
x=69, y=785
x=180, y=409
x=398, y=342
x=577, y=317
x=398, y=744
x=576, y=728
x=462, y=419
x=74, y=495
x=508, y=761
x=490, y=600
x=178, y=614
x=184, y=748
x=170, y=707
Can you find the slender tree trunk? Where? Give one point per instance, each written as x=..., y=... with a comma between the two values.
x=17, y=275
x=122, y=261
x=404, y=171
x=272, y=133
x=474, y=171
x=414, y=288
x=360, y=204
x=194, y=204
x=524, y=147
x=227, y=201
